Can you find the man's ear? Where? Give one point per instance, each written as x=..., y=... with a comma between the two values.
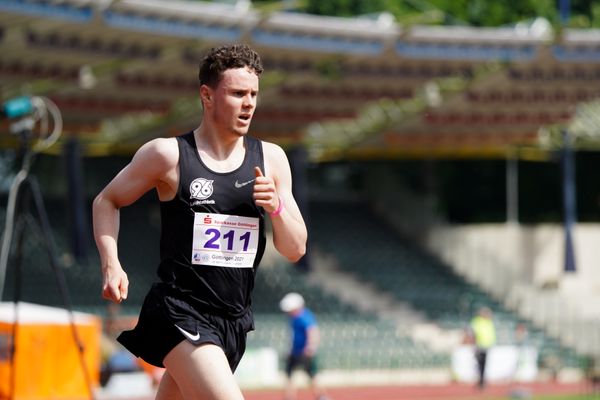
x=205, y=94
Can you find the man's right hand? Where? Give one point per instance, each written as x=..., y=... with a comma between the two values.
x=115, y=284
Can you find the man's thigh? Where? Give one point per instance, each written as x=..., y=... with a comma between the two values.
x=202, y=372
x=168, y=389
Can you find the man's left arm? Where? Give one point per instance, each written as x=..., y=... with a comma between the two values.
x=273, y=192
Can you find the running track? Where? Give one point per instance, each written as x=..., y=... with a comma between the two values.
x=454, y=391
x=432, y=392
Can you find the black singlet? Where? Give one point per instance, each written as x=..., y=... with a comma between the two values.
x=219, y=209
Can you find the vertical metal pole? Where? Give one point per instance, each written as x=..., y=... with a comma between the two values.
x=299, y=165
x=512, y=188
x=569, y=200
x=76, y=199
x=564, y=11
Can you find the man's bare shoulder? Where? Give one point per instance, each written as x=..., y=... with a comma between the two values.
x=163, y=151
x=273, y=150
x=276, y=161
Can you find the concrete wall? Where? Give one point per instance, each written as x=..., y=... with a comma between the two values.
x=522, y=266
x=532, y=255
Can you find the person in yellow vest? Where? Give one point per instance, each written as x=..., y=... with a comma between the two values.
x=484, y=334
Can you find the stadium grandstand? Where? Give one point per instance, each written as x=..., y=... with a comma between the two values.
x=433, y=165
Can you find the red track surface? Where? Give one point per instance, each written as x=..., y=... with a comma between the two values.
x=432, y=392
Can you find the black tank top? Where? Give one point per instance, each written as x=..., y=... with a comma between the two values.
x=212, y=237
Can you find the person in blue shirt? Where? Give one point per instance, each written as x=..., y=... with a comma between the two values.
x=304, y=344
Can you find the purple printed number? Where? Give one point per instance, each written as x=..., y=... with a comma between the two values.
x=210, y=244
x=246, y=238
x=215, y=235
x=229, y=237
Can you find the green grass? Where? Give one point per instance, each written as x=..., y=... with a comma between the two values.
x=540, y=397
x=580, y=397
x=564, y=397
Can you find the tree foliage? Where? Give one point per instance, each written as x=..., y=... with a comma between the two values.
x=582, y=13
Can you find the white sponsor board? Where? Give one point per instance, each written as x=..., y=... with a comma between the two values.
x=504, y=363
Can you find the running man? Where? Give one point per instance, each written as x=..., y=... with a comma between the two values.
x=215, y=185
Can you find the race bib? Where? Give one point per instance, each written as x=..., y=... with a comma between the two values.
x=225, y=240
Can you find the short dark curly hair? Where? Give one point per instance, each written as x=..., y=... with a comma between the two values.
x=220, y=59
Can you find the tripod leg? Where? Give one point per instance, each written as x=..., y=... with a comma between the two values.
x=58, y=273
x=9, y=226
x=18, y=268
x=14, y=228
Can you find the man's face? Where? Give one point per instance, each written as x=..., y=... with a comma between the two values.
x=235, y=101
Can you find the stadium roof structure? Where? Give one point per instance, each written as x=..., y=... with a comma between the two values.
x=122, y=72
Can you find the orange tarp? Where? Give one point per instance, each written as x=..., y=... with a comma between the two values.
x=47, y=363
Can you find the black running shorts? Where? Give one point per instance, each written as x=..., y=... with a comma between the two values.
x=165, y=321
x=301, y=361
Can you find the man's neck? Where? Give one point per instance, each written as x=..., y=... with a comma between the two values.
x=221, y=153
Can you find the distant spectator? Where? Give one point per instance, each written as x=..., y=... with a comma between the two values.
x=304, y=344
x=520, y=340
x=484, y=333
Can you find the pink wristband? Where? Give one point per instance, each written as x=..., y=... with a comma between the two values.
x=279, y=208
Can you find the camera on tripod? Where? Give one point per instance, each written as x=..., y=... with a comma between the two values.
x=30, y=120
x=26, y=112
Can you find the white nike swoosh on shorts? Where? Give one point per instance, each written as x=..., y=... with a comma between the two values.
x=188, y=335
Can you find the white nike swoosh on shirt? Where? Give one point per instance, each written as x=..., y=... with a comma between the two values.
x=242, y=184
x=188, y=335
